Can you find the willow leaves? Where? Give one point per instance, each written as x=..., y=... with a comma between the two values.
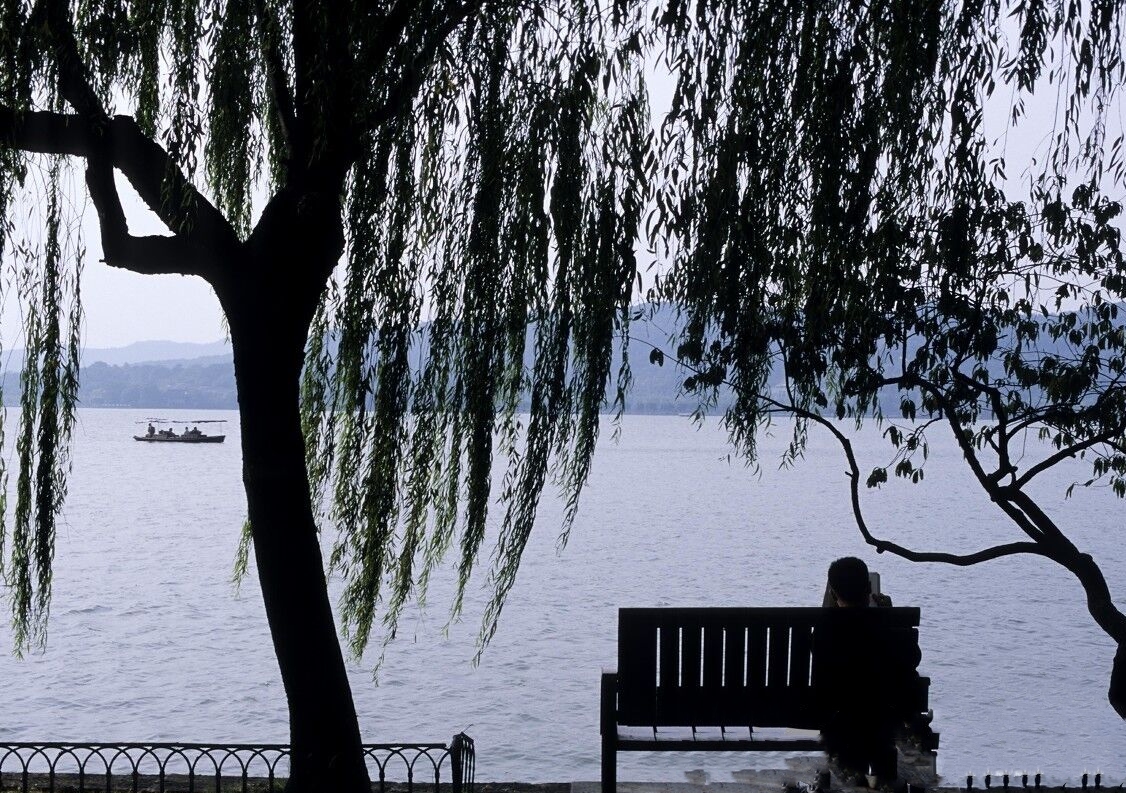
x=500, y=213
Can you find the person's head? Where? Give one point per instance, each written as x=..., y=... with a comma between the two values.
x=848, y=578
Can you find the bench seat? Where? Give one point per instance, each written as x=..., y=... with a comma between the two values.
x=709, y=739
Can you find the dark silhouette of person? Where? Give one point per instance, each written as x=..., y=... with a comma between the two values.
x=151, y=431
x=875, y=597
x=861, y=672
x=849, y=582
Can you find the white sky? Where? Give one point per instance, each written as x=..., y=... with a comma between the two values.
x=123, y=307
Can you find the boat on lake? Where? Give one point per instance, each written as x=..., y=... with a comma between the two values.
x=193, y=435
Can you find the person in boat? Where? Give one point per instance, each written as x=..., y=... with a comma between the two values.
x=151, y=431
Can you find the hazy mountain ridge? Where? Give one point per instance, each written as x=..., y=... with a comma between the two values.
x=166, y=352
x=177, y=375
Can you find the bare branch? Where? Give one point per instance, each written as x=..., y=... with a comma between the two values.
x=853, y=474
x=1065, y=453
x=960, y=560
x=1036, y=416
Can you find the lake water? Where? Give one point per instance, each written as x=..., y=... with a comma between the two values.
x=149, y=640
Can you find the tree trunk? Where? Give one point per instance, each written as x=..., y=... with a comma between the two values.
x=1117, y=692
x=1101, y=607
x=324, y=732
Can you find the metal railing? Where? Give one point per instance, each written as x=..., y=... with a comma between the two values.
x=62, y=767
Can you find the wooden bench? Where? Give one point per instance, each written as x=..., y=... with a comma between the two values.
x=735, y=671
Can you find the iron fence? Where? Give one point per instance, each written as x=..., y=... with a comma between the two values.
x=61, y=767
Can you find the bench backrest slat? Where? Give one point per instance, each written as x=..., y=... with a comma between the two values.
x=724, y=666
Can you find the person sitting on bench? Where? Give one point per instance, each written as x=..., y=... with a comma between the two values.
x=875, y=596
x=859, y=672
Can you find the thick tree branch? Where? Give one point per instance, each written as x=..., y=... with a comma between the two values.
x=122, y=145
x=41, y=132
x=393, y=25
x=276, y=76
x=148, y=255
x=52, y=17
x=165, y=189
x=107, y=143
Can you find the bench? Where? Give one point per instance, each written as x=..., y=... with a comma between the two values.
x=737, y=671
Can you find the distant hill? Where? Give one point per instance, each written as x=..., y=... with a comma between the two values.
x=164, y=374
x=194, y=383
x=159, y=351
x=178, y=375
x=141, y=352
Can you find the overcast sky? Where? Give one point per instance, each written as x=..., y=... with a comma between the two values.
x=122, y=307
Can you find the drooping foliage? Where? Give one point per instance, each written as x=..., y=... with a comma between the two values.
x=891, y=201
x=501, y=214
x=46, y=272
x=927, y=251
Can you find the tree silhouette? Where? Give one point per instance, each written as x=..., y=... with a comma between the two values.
x=474, y=164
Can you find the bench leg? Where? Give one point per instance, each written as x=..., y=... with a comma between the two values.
x=609, y=767
x=609, y=725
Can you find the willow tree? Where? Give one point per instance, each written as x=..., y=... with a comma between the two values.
x=468, y=165
x=886, y=269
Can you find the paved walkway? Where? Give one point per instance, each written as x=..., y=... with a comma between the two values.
x=916, y=768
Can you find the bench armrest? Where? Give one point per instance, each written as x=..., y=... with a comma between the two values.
x=608, y=710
